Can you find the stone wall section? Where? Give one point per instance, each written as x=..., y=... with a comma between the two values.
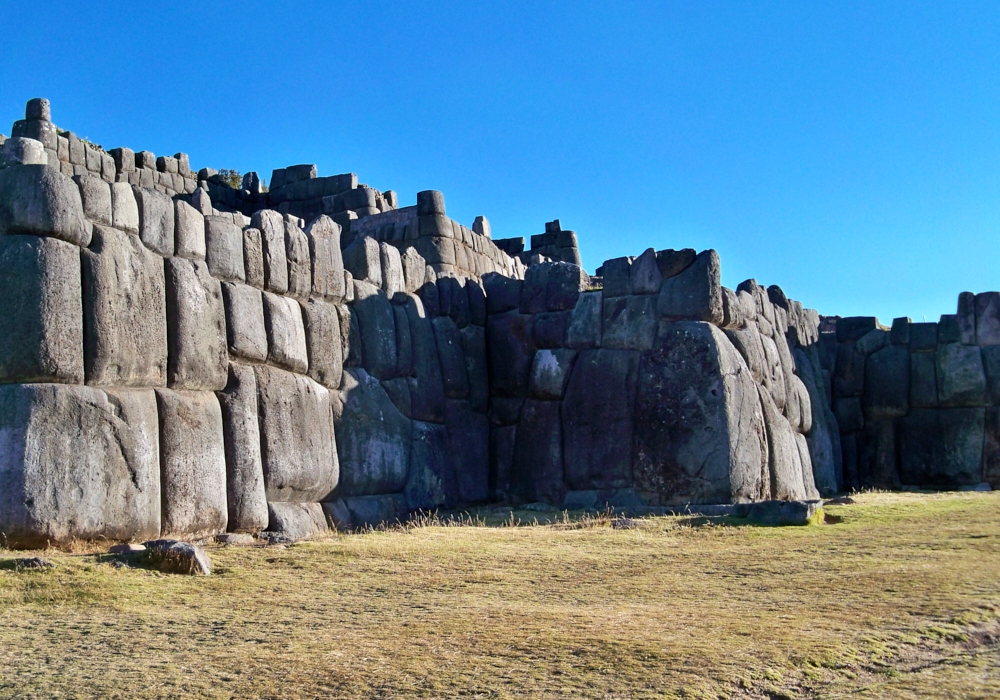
x=918, y=403
x=661, y=388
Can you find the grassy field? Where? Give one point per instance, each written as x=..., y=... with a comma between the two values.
x=900, y=598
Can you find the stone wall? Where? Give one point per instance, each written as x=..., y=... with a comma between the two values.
x=919, y=404
x=662, y=388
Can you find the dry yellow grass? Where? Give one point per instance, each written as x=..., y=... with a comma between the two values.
x=900, y=599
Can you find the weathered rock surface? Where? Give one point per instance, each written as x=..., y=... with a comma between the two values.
x=430, y=481
x=373, y=438
x=246, y=336
x=192, y=463
x=156, y=220
x=124, y=312
x=286, y=334
x=196, y=327
x=41, y=201
x=247, y=502
x=41, y=327
x=597, y=415
x=297, y=521
x=695, y=293
x=224, y=249
x=323, y=342
x=299, y=456
x=699, y=434
x=175, y=557
x=99, y=480
x=377, y=326
x=942, y=447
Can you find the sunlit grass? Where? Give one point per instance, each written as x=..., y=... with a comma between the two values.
x=899, y=599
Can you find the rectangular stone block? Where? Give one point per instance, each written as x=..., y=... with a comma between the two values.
x=124, y=210
x=323, y=235
x=253, y=258
x=41, y=326
x=376, y=323
x=41, y=201
x=323, y=342
x=192, y=464
x=96, y=196
x=298, y=451
x=988, y=318
x=156, y=220
x=629, y=323
x=189, y=231
x=961, y=380
x=286, y=335
x=272, y=228
x=224, y=249
x=536, y=472
x=695, y=294
x=246, y=336
x=942, y=447
x=299, y=263
x=124, y=312
x=196, y=327
x=98, y=480
x=247, y=502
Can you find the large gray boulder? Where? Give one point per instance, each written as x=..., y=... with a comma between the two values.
x=323, y=341
x=297, y=521
x=449, y=344
x=784, y=463
x=805, y=461
x=196, y=327
x=299, y=263
x=550, y=370
x=430, y=480
x=536, y=471
x=99, y=480
x=96, y=196
x=124, y=312
x=41, y=201
x=584, y=327
x=774, y=380
x=404, y=342
x=822, y=451
x=156, y=220
x=298, y=452
x=247, y=502
x=645, y=273
x=393, y=280
x=286, y=335
x=566, y=281
x=41, y=327
x=253, y=258
x=124, y=210
x=476, y=367
x=224, y=249
x=629, y=323
x=699, y=432
x=696, y=293
x=272, y=228
x=597, y=418
x=511, y=351
x=373, y=438
x=849, y=375
x=246, y=336
x=923, y=380
x=748, y=343
x=961, y=380
x=377, y=325
x=189, y=231
x=942, y=447
x=323, y=235
x=363, y=259
x=192, y=463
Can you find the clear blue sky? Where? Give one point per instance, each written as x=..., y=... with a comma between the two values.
x=847, y=151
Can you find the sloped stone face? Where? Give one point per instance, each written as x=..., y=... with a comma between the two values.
x=124, y=312
x=193, y=463
x=196, y=327
x=41, y=326
x=597, y=419
x=245, y=495
x=784, y=464
x=41, y=201
x=373, y=438
x=699, y=430
x=298, y=452
x=99, y=480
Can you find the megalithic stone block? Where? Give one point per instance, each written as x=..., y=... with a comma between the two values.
x=196, y=327
x=299, y=264
x=300, y=457
x=449, y=344
x=193, y=463
x=156, y=220
x=245, y=331
x=124, y=210
x=272, y=227
x=699, y=427
x=469, y=447
x=286, y=335
x=511, y=351
x=253, y=258
x=695, y=293
x=41, y=326
x=224, y=249
x=189, y=231
x=327, y=260
x=427, y=396
x=99, y=480
x=785, y=465
x=430, y=481
x=124, y=312
x=373, y=438
x=376, y=323
x=96, y=196
x=363, y=259
x=536, y=472
x=323, y=342
x=247, y=502
x=392, y=269
x=41, y=201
